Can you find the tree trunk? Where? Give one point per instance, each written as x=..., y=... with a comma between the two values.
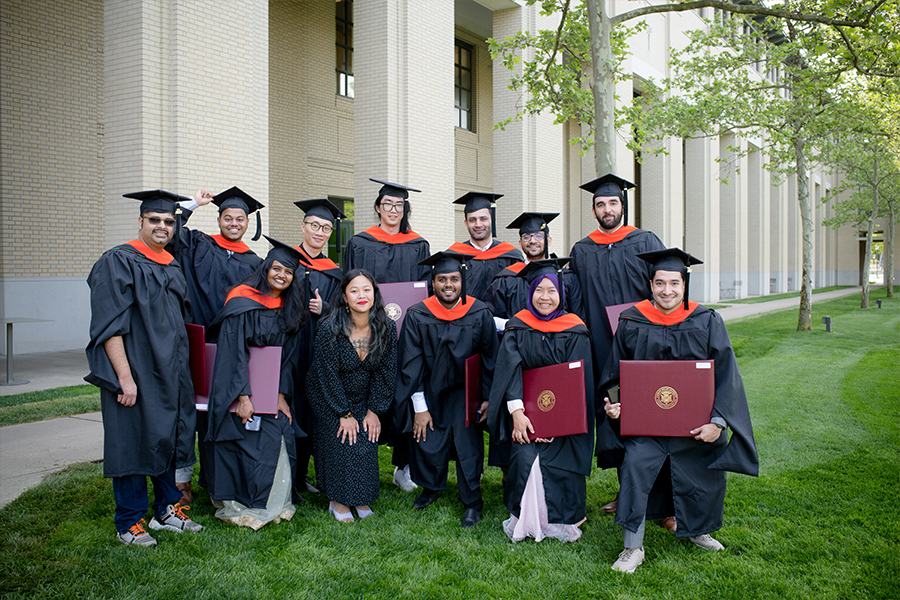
x=864, y=302
x=603, y=88
x=804, y=322
x=889, y=251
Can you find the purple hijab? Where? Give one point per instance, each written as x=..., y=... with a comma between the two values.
x=554, y=279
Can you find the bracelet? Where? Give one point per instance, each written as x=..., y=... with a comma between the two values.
x=349, y=415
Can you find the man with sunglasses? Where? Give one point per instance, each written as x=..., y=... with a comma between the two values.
x=138, y=357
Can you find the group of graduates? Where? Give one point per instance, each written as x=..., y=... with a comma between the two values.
x=348, y=382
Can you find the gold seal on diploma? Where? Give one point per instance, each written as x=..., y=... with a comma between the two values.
x=546, y=401
x=666, y=397
x=393, y=311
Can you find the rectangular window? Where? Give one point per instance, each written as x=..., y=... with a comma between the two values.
x=343, y=43
x=462, y=85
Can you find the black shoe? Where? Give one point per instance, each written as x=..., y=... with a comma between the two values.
x=471, y=518
x=426, y=498
x=296, y=498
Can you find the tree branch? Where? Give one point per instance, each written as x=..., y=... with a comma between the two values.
x=854, y=58
x=747, y=9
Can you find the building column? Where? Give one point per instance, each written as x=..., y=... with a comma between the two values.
x=528, y=154
x=758, y=207
x=403, y=107
x=182, y=79
x=701, y=207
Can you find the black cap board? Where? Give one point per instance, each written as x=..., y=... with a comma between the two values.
x=322, y=208
x=394, y=189
x=672, y=259
x=235, y=197
x=446, y=261
x=611, y=185
x=158, y=201
x=286, y=255
x=539, y=268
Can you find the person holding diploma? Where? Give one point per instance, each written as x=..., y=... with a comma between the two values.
x=684, y=475
x=546, y=490
x=252, y=454
x=349, y=385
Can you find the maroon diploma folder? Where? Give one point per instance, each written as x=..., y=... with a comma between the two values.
x=265, y=377
x=666, y=398
x=197, y=352
x=554, y=399
x=398, y=297
x=613, y=312
x=473, y=389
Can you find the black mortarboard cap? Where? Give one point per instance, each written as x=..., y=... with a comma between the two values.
x=672, y=259
x=322, y=208
x=447, y=261
x=158, y=201
x=286, y=255
x=532, y=222
x=394, y=189
x=539, y=268
x=611, y=185
x=235, y=197
x=476, y=201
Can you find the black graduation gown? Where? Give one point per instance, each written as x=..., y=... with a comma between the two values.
x=146, y=303
x=696, y=486
x=212, y=266
x=389, y=258
x=566, y=461
x=339, y=383
x=244, y=462
x=507, y=293
x=610, y=273
x=434, y=345
x=324, y=275
x=484, y=265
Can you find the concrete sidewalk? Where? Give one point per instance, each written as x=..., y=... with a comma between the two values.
x=31, y=451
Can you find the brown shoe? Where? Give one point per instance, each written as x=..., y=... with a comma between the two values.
x=611, y=507
x=669, y=523
x=186, y=496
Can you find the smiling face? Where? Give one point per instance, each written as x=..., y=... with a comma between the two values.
x=390, y=209
x=447, y=288
x=316, y=233
x=279, y=278
x=360, y=295
x=608, y=212
x=233, y=223
x=533, y=244
x=668, y=290
x=156, y=229
x=545, y=298
x=478, y=224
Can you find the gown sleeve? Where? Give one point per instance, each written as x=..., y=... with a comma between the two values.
x=506, y=385
x=411, y=362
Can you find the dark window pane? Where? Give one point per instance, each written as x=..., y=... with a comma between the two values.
x=340, y=33
x=349, y=55
x=466, y=79
x=465, y=58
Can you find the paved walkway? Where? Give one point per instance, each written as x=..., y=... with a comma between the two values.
x=31, y=451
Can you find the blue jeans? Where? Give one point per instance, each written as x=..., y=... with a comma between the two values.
x=131, y=497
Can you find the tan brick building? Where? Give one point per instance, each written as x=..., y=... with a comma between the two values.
x=103, y=97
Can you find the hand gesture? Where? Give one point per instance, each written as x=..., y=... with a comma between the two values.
x=283, y=408
x=315, y=303
x=372, y=426
x=348, y=429
x=422, y=423
x=707, y=433
x=244, y=409
x=612, y=410
x=521, y=427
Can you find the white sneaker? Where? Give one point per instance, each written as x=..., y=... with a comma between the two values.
x=175, y=520
x=629, y=560
x=707, y=541
x=402, y=479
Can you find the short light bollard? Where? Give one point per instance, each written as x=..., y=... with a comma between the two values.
x=827, y=321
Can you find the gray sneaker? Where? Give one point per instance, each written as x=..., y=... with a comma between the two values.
x=707, y=541
x=175, y=520
x=137, y=536
x=403, y=480
x=629, y=560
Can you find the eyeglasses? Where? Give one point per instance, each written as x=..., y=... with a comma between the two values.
x=158, y=220
x=318, y=226
x=390, y=207
x=537, y=237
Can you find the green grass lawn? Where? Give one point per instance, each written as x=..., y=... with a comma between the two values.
x=821, y=521
x=48, y=404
